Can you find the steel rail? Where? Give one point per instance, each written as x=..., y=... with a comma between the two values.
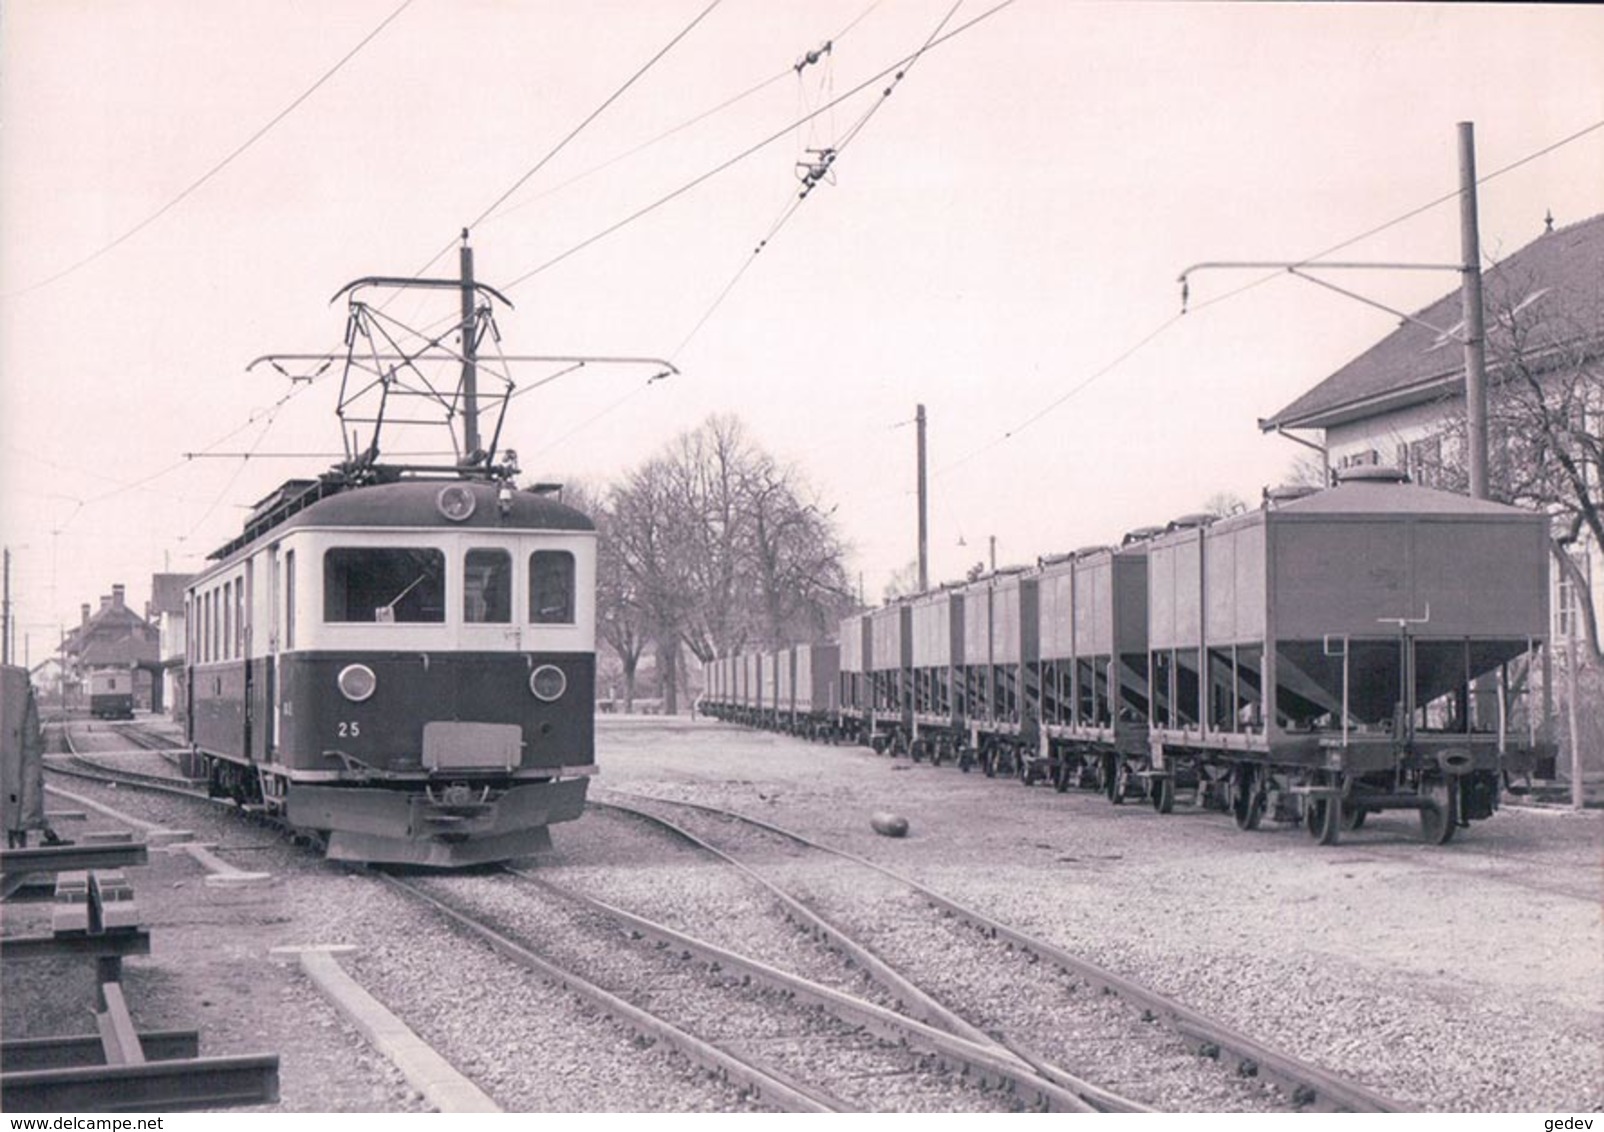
x=1308, y=1087
x=924, y=1006
x=991, y=1063
x=761, y=1081
x=915, y=999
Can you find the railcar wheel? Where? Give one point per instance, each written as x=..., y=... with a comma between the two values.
x=1163, y=793
x=1353, y=817
x=1439, y=815
x=1247, y=799
x=1122, y=781
x=1108, y=777
x=1061, y=775
x=1323, y=818
x=988, y=760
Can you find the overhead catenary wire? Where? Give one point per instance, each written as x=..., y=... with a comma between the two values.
x=300, y=387
x=575, y=132
x=757, y=147
x=794, y=204
x=899, y=68
x=1310, y=261
x=185, y=193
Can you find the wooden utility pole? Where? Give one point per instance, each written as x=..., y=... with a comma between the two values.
x=1470, y=294
x=5, y=614
x=924, y=503
x=1572, y=611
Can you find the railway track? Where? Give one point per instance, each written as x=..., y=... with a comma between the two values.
x=77, y=763
x=791, y=1042
x=994, y=954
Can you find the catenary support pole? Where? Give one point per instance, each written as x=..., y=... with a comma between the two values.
x=924, y=508
x=1470, y=292
x=470, y=370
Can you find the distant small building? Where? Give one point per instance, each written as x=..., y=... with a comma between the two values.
x=166, y=611
x=114, y=636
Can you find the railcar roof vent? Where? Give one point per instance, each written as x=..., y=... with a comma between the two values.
x=1055, y=559
x=1088, y=551
x=1190, y=522
x=1373, y=473
x=1141, y=534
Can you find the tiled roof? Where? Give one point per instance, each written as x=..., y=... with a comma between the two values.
x=1556, y=283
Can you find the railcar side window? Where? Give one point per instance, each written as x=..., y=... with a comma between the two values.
x=487, y=587
x=384, y=584
x=551, y=587
x=289, y=599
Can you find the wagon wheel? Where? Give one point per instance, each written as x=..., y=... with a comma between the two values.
x=1323, y=818
x=1247, y=798
x=1108, y=779
x=1439, y=811
x=1163, y=793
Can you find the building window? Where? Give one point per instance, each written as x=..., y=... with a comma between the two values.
x=551, y=587
x=384, y=584
x=487, y=587
x=1425, y=461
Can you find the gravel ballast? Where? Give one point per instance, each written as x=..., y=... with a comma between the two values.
x=1456, y=978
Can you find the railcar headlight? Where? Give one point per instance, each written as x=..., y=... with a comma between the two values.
x=357, y=682
x=456, y=502
x=548, y=682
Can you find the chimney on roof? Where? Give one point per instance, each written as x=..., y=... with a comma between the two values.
x=1548, y=221
x=105, y=602
x=117, y=592
x=84, y=609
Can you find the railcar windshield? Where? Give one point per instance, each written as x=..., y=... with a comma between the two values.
x=551, y=587
x=487, y=587
x=384, y=584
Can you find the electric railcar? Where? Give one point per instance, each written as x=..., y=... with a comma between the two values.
x=406, y=668
x=1329, y=655
x=111, y=693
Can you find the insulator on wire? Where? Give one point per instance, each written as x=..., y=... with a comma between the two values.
x=814, y=56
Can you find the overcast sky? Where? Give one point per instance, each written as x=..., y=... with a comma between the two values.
x=184, y=184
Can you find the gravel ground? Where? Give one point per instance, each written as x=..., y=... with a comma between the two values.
x=1466, y=977
x=1100, y=1038
x=1462, y=977
x=802, y=1043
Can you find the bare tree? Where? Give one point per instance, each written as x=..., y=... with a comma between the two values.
x=1545, y=410
x=904, y=581
x=1223, y=504
x=641, y=530
x=720, y=545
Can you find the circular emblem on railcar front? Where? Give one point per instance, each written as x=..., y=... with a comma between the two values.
x=456, y=502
